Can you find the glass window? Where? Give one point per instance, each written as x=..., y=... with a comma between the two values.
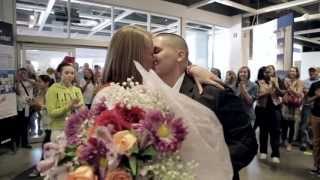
x=87, y=20
x=91, y=56
x=221, y=49
x=124, y=17
x=199, y=38
x=42, y=18
x=90, y=21
x=164, y=24
x=136, y=18
x=37, y=57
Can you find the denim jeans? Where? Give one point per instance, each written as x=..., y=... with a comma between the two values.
x=303, y=125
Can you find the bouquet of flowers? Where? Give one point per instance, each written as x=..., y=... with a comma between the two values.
x=129, y=134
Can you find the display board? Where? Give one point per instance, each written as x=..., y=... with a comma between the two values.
x=8, y=102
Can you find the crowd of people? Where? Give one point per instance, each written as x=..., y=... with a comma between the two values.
x=280, y=108
x=285, y=110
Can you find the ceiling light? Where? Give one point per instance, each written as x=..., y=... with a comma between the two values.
x=31, y=17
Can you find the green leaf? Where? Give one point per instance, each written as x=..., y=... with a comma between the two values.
x=103, y=162
x=72, y=148
x=135, y=149
x=150, y=151
x=70, y=154
x=133, y=165
x=65, y=160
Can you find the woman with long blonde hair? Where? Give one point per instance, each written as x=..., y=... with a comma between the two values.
x=132, y=43
x=292, y=102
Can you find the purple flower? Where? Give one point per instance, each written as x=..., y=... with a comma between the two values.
x=73, y=126
x=99, y=107
x=94, y=152
x=168, y=132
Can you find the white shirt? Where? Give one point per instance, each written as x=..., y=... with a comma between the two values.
x=179, y=82
x=308, y=82
x=88, y=93
x=24, y=96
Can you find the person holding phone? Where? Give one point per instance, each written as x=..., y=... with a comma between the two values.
x=63, y=98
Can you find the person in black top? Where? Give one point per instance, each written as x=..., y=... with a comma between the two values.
x=171, y=52
x=314, y=96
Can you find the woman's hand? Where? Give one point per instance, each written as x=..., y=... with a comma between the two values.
x=203, y=76
x=75, y=104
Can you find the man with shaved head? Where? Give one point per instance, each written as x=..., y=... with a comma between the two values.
x=171, y=52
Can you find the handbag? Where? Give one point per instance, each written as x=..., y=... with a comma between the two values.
x=292, y=100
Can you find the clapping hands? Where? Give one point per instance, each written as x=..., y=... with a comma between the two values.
x=75, y=104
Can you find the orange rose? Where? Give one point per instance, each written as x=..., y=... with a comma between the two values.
x=82, y=173
x=124, y=141
x=91, y=131
x=118, y=174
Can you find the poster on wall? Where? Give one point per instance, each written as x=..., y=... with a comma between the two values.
x=8, y=102
x=7, y=94
x=7, y=57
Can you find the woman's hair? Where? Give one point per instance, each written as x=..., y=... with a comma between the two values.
x=233, y=76
x=297, y=70
x=238, y=77
x=261, y=74
x=46, y=79
x=92, y=76
x=274, y=70
x=63, y=64
x=127, y=44
x=216, y=71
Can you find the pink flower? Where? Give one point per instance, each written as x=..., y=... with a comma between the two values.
x=168, y=132
x=45, y=165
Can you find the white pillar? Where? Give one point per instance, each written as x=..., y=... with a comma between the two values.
x=235, y=61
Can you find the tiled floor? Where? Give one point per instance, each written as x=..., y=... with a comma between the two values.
x=294, y=166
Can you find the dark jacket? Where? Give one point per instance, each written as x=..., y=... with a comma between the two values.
x=229, y=108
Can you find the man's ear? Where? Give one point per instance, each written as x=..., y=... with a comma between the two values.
x=182, y=55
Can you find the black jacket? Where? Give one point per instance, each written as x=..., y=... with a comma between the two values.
x=229, y=108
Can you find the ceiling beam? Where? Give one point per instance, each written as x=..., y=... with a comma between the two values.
x=164, y=27
x=107, y=22
x=297, y=9
x=309, y=31
x=24, y=23
x=226, y=3
x=306, y=39
x=281, y=6
x=29, y=7
x=237, y=5
x=307, y=17
x=84, y=15
x=316, y=39
x=201, y=3
x=45, y=14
